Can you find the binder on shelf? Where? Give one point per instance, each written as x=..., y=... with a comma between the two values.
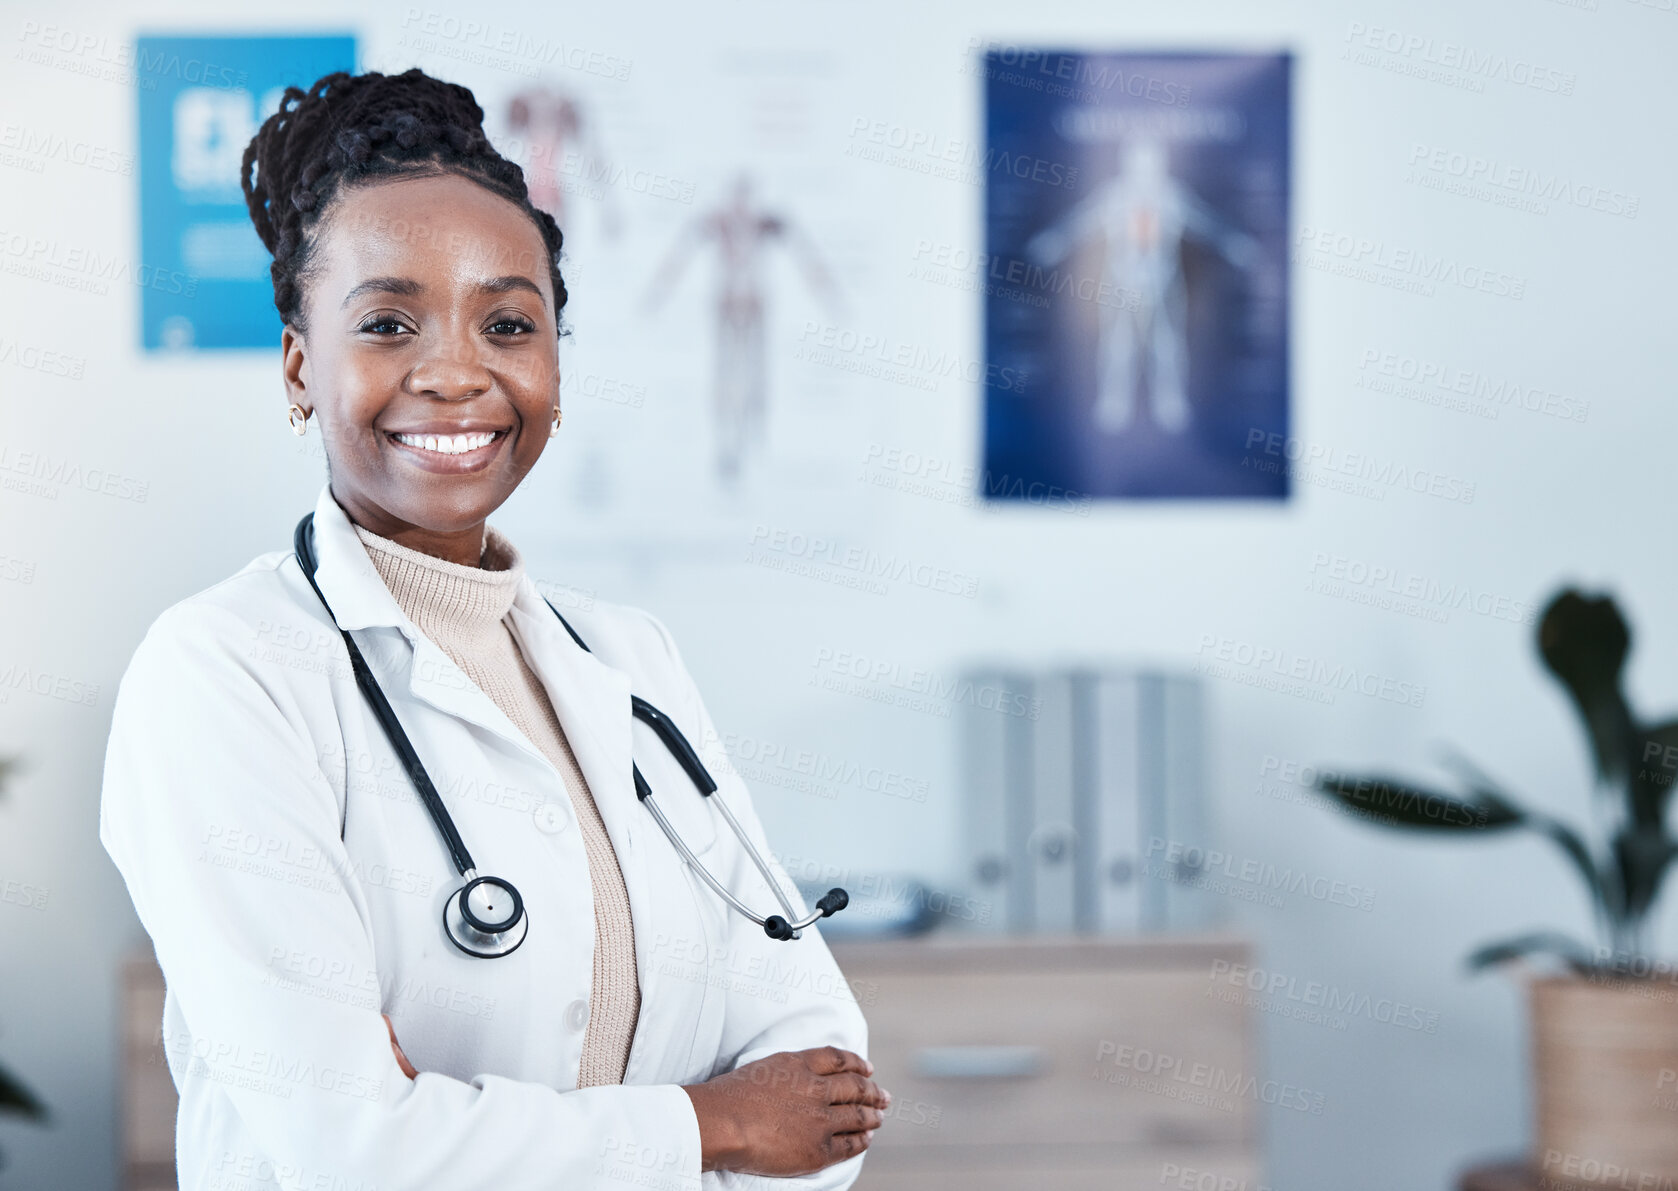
x=992, y=752
x=1051, y=837
x=1073, y=809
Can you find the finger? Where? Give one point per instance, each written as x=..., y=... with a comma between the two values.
x=854, y=1118
x=830, y=1060
x=840, y=1146
x=850, y=1088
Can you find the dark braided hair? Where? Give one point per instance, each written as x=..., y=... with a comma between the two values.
x=347, y=129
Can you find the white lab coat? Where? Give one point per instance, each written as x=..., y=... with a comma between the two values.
x=293, y=887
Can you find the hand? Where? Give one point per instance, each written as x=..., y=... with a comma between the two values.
x=789, y=1114
x=401, y=1059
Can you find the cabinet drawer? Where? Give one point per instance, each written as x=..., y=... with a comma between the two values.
x=1055, y=1050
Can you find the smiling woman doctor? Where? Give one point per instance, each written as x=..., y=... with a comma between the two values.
x=442, y=942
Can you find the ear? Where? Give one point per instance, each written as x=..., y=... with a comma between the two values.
x=294, y=367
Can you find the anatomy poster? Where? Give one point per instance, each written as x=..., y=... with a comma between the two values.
x=1136, y=218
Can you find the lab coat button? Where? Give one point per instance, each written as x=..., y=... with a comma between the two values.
x=576, y=1015
x=550, y=818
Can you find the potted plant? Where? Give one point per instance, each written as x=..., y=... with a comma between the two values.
x=14, y=1097
x=1605, y=1030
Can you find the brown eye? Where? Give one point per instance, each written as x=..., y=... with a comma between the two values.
x=511, y=325
x=382, y=325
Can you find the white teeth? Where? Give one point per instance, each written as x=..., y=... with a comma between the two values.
x=447, y=444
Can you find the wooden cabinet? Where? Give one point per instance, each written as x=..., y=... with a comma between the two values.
x=1064, y=1063
x=148, y=1099
x=1074, y=1064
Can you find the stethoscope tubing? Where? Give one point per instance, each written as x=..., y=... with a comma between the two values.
x=494, y=943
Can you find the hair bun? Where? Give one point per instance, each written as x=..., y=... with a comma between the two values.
x=348, y=128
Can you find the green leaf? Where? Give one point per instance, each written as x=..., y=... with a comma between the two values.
x=1654, y=772
x=1643, y=857
x=1396, y=803
x=1584, y=641
x=17, y=1099
x=1544, y=942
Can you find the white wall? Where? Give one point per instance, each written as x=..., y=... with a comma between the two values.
x=778, y=87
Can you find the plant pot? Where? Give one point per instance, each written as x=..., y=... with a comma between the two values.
x=1605, y=1064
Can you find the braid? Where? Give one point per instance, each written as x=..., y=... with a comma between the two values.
x=349, y=128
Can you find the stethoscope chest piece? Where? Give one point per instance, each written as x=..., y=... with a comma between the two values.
x=485, y=918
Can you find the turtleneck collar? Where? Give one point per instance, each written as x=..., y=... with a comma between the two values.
x=444, y=598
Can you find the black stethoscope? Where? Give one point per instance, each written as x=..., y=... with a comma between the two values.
x=486, y=916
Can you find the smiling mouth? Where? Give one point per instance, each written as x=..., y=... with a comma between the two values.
x=449, y=444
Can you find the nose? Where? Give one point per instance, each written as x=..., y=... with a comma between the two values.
x=452, y=368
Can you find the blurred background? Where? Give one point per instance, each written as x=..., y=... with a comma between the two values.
x=1056, y=435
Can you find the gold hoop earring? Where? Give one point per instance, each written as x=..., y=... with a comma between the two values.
x=554, y=429
x=299, y=419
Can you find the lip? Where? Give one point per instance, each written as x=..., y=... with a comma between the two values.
x=464, y=463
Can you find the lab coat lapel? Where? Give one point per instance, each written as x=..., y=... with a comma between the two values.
x=592, y=701
x=360, y=600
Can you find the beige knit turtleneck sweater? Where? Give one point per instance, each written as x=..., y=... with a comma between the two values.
x=463, y=610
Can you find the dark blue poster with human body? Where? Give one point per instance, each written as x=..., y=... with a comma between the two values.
x=1148, y=298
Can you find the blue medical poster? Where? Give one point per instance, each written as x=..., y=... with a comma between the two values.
x=1135, y=267
x=204, y=279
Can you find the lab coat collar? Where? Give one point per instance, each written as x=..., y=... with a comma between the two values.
x=346, y=575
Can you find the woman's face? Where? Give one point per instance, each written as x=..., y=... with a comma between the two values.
x=431, y=360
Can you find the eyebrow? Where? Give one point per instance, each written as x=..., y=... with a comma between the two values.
x=408, y=287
